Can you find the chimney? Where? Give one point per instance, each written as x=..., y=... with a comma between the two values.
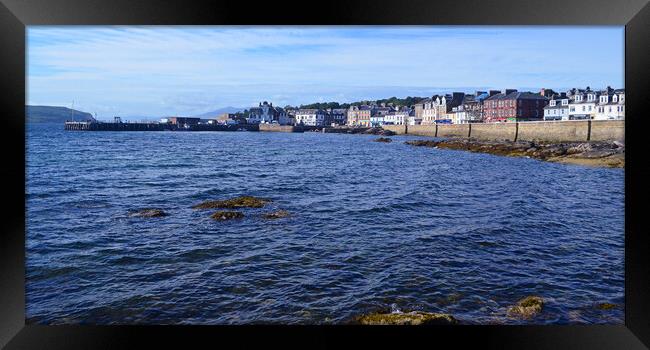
x=509, y=91
x=494, y=92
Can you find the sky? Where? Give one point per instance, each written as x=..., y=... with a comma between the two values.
x=188, y=70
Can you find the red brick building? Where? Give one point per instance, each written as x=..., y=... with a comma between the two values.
x=512, y=105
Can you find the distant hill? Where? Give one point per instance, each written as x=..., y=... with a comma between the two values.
x=53, y=114
x=219, y=111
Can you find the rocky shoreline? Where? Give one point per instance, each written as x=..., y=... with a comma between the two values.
x=597, y=154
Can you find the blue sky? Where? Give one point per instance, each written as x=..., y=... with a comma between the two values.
x=188, y=70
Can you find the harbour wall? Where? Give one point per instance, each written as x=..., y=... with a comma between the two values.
x=549, y=131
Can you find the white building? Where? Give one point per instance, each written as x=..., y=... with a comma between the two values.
x=265, y=113
x=377, y=120
x=311, y=117
x=557, y=108
x=439, y=109
x=398, y=117
x=413, y=120
x=583, y=104
x=611, y=105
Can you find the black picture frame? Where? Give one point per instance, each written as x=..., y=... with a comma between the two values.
x=15, y=15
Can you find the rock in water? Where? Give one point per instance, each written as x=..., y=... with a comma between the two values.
x=606, y=306
x=422, y=143
x=227, y=215
x=527, y=307
x=409, y=318
x=383, y=139
x=276, y=214
x=148, y=213
x=237, y=202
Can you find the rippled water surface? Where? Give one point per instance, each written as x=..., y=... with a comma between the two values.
x=374, y=227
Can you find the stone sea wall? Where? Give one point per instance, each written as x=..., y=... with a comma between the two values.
x=547, y=131
x=607, y=130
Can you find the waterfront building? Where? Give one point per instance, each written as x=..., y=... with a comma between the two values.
x=514, y=106
x=359, y=115
x=399, y=116
x=377, y=119
x=311, y=117
x=470, y=110
x=557, y=108
x=228, y=119
x=338, y=116
x=266, y=113
x=611, y=105
x=428, y=113
x=418, y=108
x=290, y=115
x=378, y=115
x=583, y=104
x=439, y=110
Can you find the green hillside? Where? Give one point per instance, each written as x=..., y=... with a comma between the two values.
x=52, y=114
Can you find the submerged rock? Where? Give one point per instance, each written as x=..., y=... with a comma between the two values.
x=238, y=202
x=383, y=139
x=527, y=307
x=148, y=213
x=227, y=215
x=276, y=214
x=409, y=318
x=606, y=306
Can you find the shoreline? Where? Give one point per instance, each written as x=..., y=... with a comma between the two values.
x=607, y=154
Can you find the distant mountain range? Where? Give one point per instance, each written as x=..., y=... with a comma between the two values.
x=53, y=114
x=216, y=112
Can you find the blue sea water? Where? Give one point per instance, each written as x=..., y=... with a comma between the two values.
x=373, y=227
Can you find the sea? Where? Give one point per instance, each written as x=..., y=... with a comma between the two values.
x=373, y=227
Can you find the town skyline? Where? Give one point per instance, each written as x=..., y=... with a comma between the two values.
x=156, y=71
